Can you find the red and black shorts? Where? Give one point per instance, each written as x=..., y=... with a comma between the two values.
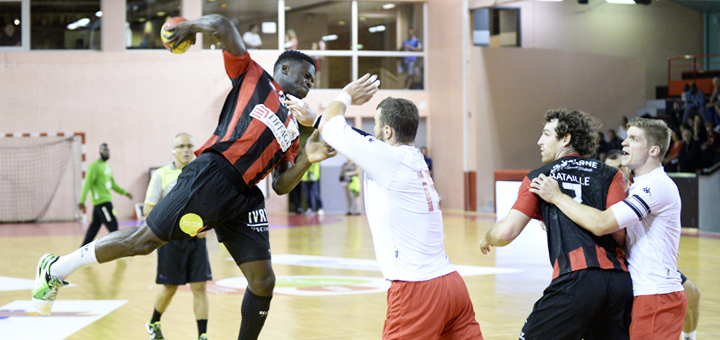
x=210, y=194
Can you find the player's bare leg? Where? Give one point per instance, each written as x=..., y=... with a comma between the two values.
x=201, y=306
x=693, y=310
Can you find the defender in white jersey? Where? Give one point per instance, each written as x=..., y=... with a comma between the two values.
x=651, y=216
x=404, y=215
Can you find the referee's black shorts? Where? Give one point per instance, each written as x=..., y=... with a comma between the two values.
x=586, y=304
x=211, y=194
x=183, y=261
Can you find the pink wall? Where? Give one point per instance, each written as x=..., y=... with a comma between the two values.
x=136, y=101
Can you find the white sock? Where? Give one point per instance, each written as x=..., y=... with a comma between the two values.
x=688, y=336
x=68, y=264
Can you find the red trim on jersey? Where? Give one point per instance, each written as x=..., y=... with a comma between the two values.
x=577, y=259
x=246, y=91
x=556, y=269
x=210, y=142
x=616, y=191
x=246, y=141
x=604, y=262
x=527, y=202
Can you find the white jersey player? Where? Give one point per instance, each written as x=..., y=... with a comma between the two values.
x=651, y=216
x=403, y=212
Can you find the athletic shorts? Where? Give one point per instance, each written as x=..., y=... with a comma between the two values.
x=659, y=316
x=210, y=194
x=435, y=309
x=586, y=304
x=183, y=261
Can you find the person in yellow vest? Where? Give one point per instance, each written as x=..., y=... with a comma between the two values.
x=179, y=261
x=311, y=186
x=351, y=184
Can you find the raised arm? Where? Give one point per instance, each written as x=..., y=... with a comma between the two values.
x=595, y=221
x=212, y=24
x=355, y=93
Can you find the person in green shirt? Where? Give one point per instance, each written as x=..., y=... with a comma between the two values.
x=99, y=180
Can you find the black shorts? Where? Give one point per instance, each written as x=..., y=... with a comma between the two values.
x=210, y=194
x=183, y=261
x=586, y=304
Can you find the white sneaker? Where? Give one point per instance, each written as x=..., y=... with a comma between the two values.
x=321, y=212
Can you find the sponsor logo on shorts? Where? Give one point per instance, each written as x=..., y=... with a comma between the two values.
x=257, y=220
x=191, y=224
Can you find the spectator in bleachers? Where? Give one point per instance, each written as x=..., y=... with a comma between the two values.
x=670, y=162
x=614, y=142
x=710, y=145
x=691, y=156
x=694, y=102
x=602, y=147
x=712, y=114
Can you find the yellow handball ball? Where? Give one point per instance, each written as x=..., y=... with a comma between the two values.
x=164, y=36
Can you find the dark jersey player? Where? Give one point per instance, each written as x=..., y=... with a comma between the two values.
x=590, y=296
x=256, y=134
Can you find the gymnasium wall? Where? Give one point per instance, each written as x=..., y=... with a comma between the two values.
x=136, y=101
x=650, y=33
x=514, y=88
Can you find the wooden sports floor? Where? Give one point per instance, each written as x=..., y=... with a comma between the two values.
x=502, y=301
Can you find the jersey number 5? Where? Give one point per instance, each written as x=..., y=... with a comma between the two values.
x=576, y=188
x=429, y=188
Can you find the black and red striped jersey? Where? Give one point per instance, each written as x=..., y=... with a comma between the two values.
x=589, y=182
x=255, y=131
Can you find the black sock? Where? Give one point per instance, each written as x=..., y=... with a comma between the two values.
x=254, y=312
x=156, y=316
x=202, y=327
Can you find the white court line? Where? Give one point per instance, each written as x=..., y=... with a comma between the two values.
x=12, y=283
x=18, y=319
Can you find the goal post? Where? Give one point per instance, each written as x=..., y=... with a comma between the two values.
x=41, y=176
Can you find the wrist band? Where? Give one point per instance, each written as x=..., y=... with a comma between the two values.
x=344, y=98
x=316, y=123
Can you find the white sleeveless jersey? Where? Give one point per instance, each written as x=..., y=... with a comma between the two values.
x=651, y=216
x=401, y=204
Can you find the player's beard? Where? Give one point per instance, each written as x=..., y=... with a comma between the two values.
x=105, y=158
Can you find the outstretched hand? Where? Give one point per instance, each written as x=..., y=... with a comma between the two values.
x=301, y=110
x=317, y=151
x=546, y=187
x=362, y=90
x=179, y=33
x=485, y=245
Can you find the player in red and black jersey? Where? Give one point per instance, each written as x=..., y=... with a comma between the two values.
x=590, y=296
x=256, y=134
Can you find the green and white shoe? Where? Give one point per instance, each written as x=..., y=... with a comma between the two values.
x=203, y=337
x=154, y=330
x=46, y=285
